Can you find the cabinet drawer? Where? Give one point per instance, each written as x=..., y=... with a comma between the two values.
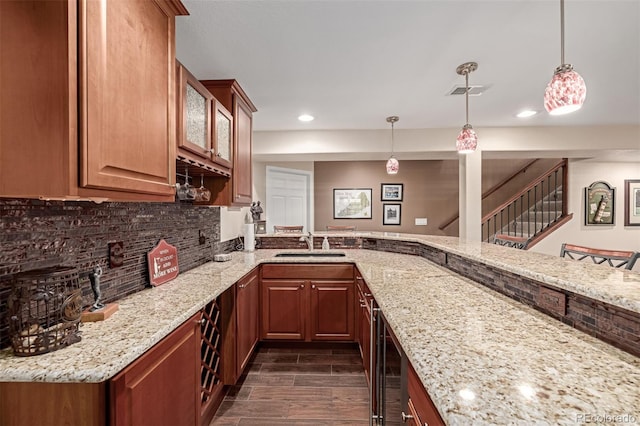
x=421, y=403
x=308, y=271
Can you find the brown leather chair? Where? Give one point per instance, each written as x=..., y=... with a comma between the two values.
x=287, y=229
x=616, y=258
x=511, y=241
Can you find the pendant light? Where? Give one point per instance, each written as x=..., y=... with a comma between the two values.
x=566, y=91
x=392, y=164
x=467, y=140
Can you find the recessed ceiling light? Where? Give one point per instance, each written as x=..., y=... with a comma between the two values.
x=306, y=117
x=526, y=113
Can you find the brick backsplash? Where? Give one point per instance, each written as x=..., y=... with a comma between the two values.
x=36, y=234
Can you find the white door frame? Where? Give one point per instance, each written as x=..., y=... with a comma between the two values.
x=309, y=189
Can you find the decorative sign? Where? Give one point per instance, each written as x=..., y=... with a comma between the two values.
x=163, y=263
x=116, y=254
x=599, y=204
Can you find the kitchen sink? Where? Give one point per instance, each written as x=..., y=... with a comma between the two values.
x=311, y=254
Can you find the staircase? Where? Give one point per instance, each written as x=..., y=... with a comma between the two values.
x=534, y=212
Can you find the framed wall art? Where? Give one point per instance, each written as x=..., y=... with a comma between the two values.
x=391, y=214
x=632, y=202
x=391, y=192
x=599, y=204
x=352, y=203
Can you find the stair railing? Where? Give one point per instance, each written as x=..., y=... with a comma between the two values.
x=544, y=200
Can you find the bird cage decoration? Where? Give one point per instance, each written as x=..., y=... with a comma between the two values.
x=45, y=308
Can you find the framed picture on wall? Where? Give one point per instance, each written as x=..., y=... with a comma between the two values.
x=391, y=192
x=632, y=202
x=391, y=214
x=599, y=204
x=352, y=203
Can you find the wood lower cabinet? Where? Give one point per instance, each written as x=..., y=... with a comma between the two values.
x=284, y=309
x=363, y=306
x=53, y=404
x=247, y=311
x=308, y=302
x=332, y=310
x=88, y=99
x=162, y=387
x=419, y=406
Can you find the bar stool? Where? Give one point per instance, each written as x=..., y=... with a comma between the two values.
x=616, y=258
x=511, y=241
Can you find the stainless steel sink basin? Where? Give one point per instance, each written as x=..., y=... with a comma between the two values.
x=311, y=254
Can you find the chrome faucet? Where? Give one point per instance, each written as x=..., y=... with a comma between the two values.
x=309, y=240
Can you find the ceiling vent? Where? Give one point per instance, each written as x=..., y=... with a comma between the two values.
x=473, y=90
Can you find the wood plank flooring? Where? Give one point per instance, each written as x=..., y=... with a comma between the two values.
x=301, y=386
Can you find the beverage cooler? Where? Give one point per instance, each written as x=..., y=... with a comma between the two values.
x=388, y=377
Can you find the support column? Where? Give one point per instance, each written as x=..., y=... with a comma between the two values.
x=470, y=201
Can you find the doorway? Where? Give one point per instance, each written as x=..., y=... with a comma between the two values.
x=289, y=200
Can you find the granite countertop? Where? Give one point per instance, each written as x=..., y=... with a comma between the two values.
x=483, y=358
x=618, y=287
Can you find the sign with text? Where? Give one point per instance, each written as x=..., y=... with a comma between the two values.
x=163, y=263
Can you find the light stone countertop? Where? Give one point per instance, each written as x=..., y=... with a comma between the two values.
x=483, y=358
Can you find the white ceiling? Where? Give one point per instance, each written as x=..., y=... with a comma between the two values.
x=353, y=63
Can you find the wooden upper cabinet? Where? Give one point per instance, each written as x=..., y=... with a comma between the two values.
x=222, y=135
x=194, y=115
x=237, y=190
x=88, y=99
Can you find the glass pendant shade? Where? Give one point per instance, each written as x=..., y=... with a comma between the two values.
x=392, y=166
x=565, y=92
x=467, y=140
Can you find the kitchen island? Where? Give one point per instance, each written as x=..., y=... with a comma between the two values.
x=482, y=357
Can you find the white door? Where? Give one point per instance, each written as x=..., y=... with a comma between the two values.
x=288, y=198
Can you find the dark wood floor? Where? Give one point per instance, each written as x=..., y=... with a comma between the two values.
x=302, y=386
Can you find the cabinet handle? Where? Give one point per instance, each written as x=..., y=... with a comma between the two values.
x=241, y=286
x=368, y=294
x=406, y=417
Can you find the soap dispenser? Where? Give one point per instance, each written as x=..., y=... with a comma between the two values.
x=325, y=244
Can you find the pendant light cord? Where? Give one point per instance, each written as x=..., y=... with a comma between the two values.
x=466, y=93
x=561, y=32
x=392, y=138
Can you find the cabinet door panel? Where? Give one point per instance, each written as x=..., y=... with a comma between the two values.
x=332, y=310
x=242, y=178
x=247, y=313
x=127, y=96
x=283, y=310
x=162, y=387
x=421, y=403
x=194, y=114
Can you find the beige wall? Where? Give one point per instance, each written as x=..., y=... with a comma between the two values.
x=430, y=190
x=581, y=175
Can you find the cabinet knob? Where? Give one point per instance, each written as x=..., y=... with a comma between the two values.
x=218, y=155
x=212, y=151
x=406, y=417
x=203, y=321
x=301, y=285
x=313, y=286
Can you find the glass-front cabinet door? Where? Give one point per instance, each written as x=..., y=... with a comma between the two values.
x=223, y=135
x=194, y=115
